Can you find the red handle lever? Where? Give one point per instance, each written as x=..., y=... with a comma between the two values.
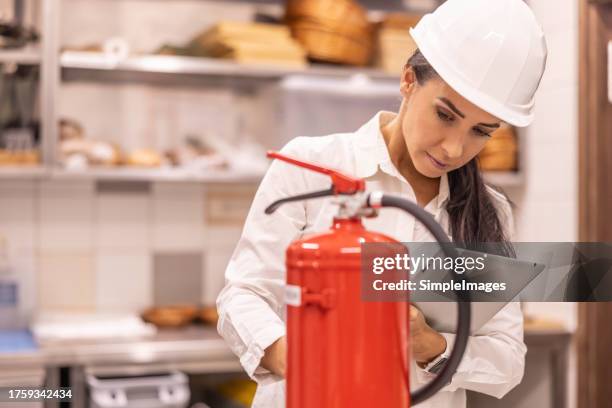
x=342, y=183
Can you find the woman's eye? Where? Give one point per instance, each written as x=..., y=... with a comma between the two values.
x=444, y=116
x=481, y=132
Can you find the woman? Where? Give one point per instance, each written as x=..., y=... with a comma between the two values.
x=479, y=62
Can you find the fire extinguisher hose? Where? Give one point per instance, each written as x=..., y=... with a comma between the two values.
x=444, y=377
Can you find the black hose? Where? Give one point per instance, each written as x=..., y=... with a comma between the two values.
x=463, y=305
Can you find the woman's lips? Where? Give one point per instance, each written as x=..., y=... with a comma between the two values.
x=437, y=163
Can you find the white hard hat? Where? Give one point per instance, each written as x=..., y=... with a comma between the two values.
x=492, y=52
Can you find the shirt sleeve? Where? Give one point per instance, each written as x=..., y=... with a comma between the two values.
x=250, y=306
x=494, y=360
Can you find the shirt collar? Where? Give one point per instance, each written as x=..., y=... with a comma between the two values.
x=372, y=155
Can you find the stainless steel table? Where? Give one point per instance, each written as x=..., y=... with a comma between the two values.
x=194, y=349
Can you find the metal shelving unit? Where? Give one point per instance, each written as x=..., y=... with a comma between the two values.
x=24, y=56
x=97, y=65
x=23, y=172
x=177, y=65
x=504, y=179
x=156, y=175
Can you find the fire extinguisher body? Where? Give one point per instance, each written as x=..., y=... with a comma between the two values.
x=342, y=351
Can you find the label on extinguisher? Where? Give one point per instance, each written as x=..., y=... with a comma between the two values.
x=293, y=295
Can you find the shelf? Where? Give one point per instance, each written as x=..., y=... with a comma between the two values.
x=22, y=172
x=157, y=175
x=177, y=65
x=502, y=179
x=26, y=56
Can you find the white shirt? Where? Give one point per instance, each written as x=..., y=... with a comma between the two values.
x=251, y=309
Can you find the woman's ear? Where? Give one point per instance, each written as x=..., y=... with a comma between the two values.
x=408, y=81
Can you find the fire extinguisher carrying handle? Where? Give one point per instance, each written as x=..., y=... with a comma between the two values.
x=341, y=183
x=377, y=200
x=315, y=194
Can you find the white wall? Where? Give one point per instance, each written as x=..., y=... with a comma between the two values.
x=547, y=205
x=548, y=202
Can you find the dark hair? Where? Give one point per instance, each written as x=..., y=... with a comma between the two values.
x=473, y=218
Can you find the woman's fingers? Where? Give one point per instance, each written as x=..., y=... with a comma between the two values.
x=275, y=357
x=414, y=313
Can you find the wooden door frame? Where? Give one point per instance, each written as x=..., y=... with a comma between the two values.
x=594, y=335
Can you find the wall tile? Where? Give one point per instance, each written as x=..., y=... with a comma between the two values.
x=556, y=117
x=552, y=177
x=555, y=15
x=18, y=220
x=549, y=221
x=562, y=62
x=177, y=278
x=216, y=237
x=215, y=263
x=65, y=213
x=66, y=281
x=178, y=219
x=228, y=205
x=122, y=221
x=123, y=281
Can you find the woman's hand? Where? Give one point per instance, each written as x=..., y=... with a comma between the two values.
x=427, y=344
x=275, y=357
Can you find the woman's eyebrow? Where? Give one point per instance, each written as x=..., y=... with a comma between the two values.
x=452, y=107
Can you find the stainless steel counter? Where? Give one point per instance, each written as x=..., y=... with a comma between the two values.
x=195, y=346
x=200, y=350
x=191, y=345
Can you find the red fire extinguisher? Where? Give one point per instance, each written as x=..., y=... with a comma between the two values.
x=341, y=351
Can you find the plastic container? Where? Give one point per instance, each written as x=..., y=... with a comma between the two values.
x=157, y=390
x=9, y=304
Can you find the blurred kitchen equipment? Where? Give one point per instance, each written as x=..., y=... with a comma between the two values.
x=66, y=326
x=70, y=129
x=9, y=291
x=76, y=152
x=14, y=34
x=9, y=302
x=18, y=89
x=156, y=390
x=116, y=48
x=501, y=151
x=336, y=31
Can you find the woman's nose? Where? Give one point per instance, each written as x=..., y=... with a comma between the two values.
x=452, y=146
